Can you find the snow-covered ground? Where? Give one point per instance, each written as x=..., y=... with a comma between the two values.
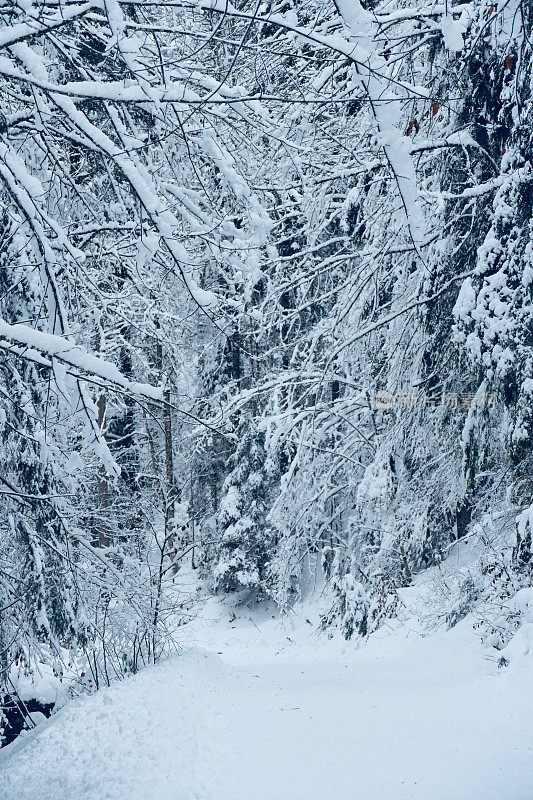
x=258, y=710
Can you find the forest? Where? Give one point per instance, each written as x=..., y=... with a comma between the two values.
x=266, y=331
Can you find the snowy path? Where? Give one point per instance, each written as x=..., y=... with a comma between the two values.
x=275, y=719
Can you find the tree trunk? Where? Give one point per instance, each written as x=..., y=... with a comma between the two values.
x=102, y=525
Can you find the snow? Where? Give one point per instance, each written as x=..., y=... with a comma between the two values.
x=257, y=709
x=140, y=180
x=24, y=30
x=34, y=343
x=453, y=30
x=44, y=686
x=521, y=644
x=371, y=73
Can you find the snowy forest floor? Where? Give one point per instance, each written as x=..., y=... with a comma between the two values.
x=258, y=709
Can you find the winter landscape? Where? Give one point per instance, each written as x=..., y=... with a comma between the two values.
x=266, y=400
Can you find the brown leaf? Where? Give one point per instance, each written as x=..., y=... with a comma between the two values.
x=412, y=125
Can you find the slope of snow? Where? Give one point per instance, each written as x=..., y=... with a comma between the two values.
x=258, y=710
